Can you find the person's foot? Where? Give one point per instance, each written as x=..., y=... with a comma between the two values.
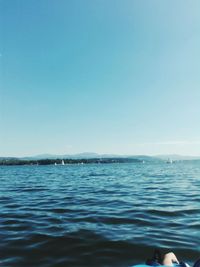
x=170, y=259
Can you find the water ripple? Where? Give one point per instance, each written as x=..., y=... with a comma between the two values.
x=98, y=215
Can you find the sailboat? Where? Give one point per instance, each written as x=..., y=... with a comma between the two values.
x=170, y=161
x=62, y=163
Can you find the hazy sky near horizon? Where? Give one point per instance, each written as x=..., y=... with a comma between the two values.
x=117, y=76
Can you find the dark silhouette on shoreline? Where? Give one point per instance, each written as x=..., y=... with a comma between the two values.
x=17, y=161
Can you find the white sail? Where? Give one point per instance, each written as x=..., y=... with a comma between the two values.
x=170, y=161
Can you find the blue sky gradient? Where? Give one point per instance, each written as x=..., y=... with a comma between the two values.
x=104, y=76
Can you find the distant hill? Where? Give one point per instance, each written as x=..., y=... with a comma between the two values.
x=85, y=155
x=91, y=157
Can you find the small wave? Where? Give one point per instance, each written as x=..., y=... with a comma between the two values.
x=172, y=213
x=32, y=189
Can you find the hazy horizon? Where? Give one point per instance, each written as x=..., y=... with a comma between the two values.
x=98, y=154
x=114, y=77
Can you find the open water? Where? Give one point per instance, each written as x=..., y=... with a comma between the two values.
x=101, y=215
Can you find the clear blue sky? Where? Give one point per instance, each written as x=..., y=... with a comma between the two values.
x=115, y=76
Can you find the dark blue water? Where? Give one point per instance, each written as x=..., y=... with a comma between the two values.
x=98, y=215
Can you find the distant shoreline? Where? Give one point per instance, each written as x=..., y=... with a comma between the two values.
x=16, y=161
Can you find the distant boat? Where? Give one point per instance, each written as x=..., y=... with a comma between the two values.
x=55, y=163
x=62, y=163
x=169, y=161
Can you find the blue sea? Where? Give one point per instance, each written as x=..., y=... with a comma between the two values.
x=98, y=215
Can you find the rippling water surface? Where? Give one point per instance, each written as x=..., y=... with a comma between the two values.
x=98, y=215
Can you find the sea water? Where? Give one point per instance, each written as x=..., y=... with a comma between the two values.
x=98, y=215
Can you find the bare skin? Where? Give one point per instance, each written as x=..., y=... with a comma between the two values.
x=170, y=259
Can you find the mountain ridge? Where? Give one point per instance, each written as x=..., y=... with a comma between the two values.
x=92, y=155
